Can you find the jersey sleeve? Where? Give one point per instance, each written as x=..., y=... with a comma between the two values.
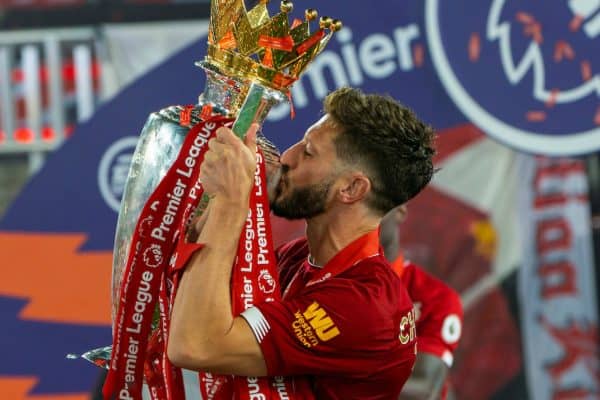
x=334, y=327
x=440, y=327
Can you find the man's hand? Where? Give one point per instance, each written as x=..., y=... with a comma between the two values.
x=227, y=171
x=427, y=379
x=204, y=335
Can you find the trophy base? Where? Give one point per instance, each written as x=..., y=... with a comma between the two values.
x=100, y=357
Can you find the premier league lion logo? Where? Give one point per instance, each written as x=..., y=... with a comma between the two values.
x=266, y=283
x=526, y=72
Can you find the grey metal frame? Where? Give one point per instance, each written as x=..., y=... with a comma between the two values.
x=33, y=46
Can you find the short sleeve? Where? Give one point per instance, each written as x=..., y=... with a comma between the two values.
x=334, y=327
x=440, y=329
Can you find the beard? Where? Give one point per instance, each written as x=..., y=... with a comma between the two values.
x=302, y=202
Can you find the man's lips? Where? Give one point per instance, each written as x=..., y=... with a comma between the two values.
x=281, y=184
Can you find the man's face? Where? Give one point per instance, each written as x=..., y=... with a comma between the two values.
x=307, y=173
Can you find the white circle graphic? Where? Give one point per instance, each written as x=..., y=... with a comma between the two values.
x=572, y=143
x=451, y=329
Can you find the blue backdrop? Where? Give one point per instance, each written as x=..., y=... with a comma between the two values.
x=452, y=62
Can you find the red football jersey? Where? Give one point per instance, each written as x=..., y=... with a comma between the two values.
x=349, y=325
x=438, y=310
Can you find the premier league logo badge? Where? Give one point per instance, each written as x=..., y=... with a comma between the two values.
x=526, y=72
x=113, y=169
x=266, y=283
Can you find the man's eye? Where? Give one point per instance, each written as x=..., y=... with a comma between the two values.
x=307, y=154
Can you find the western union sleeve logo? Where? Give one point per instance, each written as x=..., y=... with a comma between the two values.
x=313, y=325
x=321, y=323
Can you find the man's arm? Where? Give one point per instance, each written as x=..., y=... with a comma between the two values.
x=204, y=335
x=427, y=379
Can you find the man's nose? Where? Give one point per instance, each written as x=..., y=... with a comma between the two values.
x=287, y=156
x=291, y=155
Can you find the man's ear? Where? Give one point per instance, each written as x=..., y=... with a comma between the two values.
x=354, y=187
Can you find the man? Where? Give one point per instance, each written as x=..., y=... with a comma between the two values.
x=355, y=334
x=439, y=317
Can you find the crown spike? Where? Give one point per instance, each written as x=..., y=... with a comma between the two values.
x=336, y=25
x=286, y=6
x=223, y=13
x=251, y=45
x=311, y=14
x=259, y=15
x=325, y=22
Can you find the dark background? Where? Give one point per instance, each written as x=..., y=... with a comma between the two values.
x=34, y=14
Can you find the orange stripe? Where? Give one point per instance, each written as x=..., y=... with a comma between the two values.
x=18, y=388
x=62, y=283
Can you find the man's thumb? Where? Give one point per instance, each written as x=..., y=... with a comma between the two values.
x=250, y=139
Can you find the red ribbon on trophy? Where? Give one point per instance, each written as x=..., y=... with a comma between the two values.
x=152, y=246
x=253, y=281
x=157, y=255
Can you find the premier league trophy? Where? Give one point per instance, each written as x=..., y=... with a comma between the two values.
x=252, y=60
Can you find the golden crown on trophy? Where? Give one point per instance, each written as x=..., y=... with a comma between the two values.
x=249, y=44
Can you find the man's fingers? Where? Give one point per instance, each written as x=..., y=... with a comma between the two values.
x=225, y=135
x=216, y=146
x=211, y=156
x=207, y=172
x=250, y=139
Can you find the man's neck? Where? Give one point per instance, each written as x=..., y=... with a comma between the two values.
x=330, y=232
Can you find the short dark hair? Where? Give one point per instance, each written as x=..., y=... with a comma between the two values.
x=387, y=140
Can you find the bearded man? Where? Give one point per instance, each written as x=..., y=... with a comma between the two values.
x=345, y=319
